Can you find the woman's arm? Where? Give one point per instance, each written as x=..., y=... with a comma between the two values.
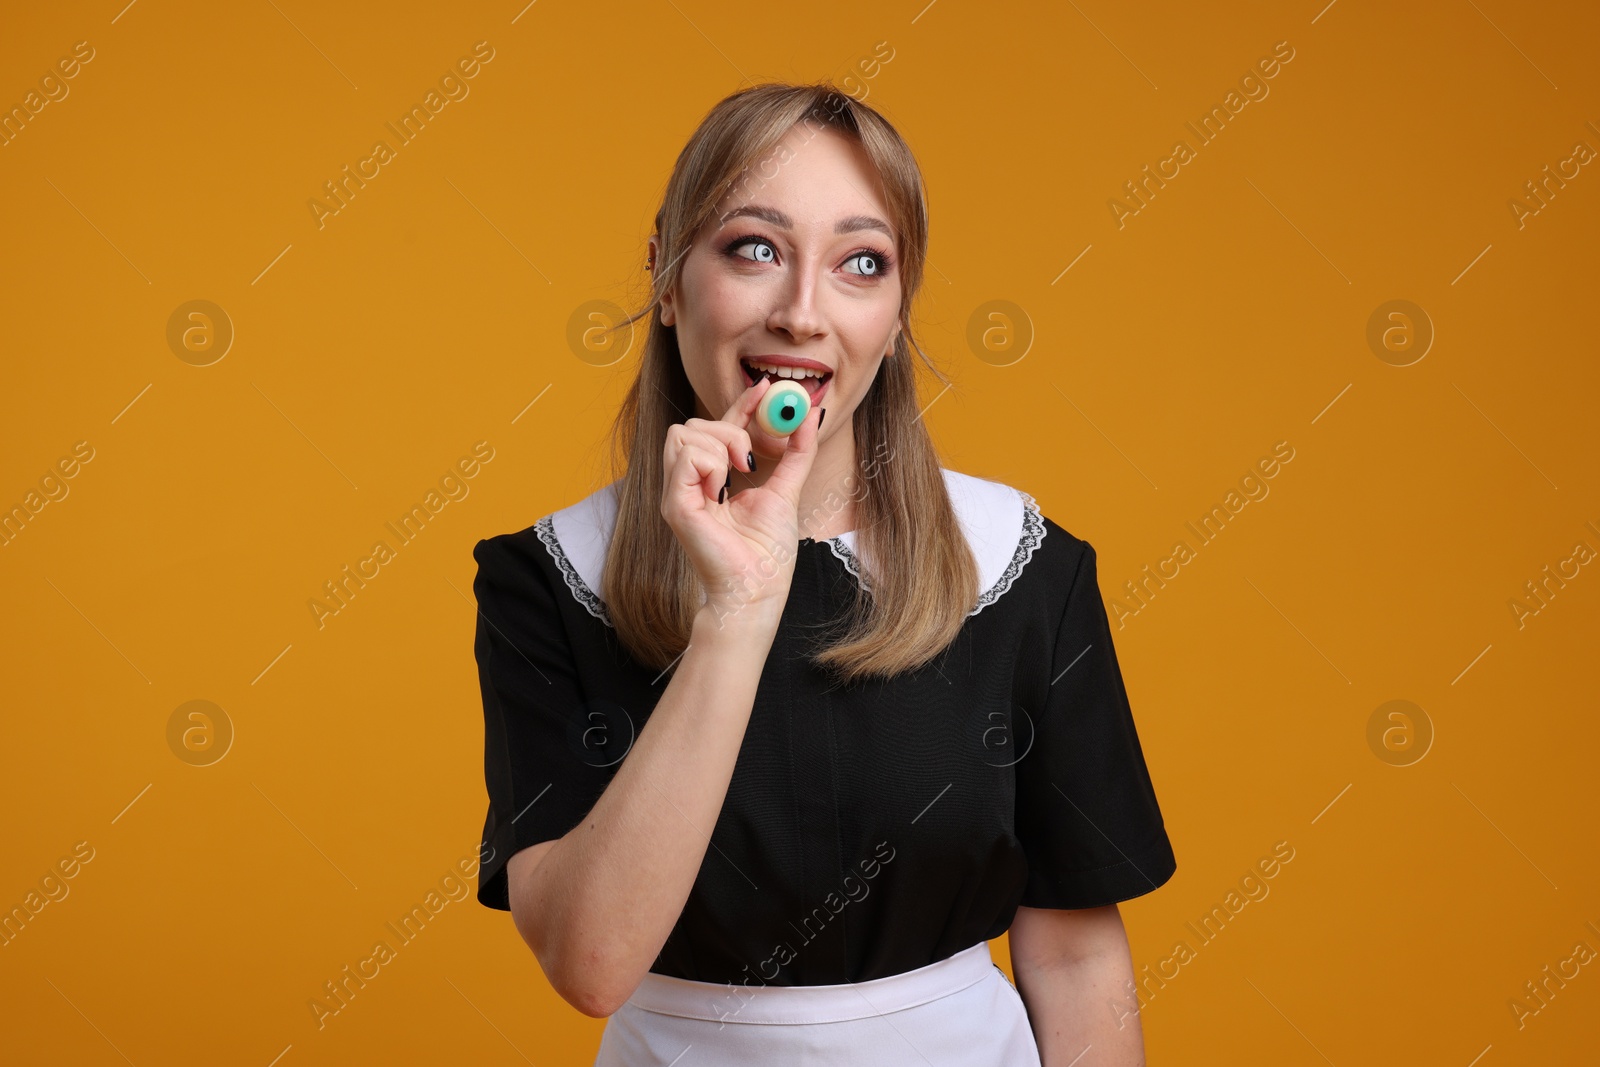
x=596, y=905
x=1073, y=969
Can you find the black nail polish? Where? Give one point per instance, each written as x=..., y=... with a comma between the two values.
x=722, y=494
x=822, y=413
x=751, y=456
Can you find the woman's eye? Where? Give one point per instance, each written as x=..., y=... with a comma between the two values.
x=871, y=264
x=765, y=253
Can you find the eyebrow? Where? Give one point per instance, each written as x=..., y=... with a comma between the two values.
x=846, y=225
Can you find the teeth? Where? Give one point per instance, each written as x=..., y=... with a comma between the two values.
x=783, y=372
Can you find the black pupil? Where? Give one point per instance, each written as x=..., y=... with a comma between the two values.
x=788, y=411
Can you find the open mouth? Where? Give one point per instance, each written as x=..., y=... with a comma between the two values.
x=811, y=382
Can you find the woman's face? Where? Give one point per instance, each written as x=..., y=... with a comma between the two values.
x=799, y=267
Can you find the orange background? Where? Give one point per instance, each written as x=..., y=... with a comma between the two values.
x=370, y=353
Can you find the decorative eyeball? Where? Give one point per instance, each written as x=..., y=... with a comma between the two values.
x=782, y=408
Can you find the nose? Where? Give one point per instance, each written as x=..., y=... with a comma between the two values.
x=796, y=313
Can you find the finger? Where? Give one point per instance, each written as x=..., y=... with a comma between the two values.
x=722, y=436
x=695, y=480
x=790, y=475
x=744, y=408
x=693, y=472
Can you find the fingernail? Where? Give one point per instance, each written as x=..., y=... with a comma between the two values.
x=822, y=413
x=751, y=456
x=722, y=494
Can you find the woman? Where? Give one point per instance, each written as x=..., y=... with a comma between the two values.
x=870, y=708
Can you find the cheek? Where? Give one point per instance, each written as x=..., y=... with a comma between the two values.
x=714, y=310
x=731, y=308
x=869, y=326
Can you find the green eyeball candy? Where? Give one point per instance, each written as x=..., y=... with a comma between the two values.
x=782, y=408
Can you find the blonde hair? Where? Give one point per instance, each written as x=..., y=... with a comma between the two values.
x=922, y=575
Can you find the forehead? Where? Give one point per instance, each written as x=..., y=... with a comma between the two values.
x=815, y=176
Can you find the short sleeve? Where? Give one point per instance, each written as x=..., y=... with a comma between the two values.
x=541, y=777
x=1086, y=814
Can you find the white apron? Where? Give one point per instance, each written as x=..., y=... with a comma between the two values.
x=960, y=1012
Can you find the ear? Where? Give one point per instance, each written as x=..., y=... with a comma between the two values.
x=893, y=337
x=668, y=312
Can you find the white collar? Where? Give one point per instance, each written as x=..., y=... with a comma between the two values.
x=1003, y=526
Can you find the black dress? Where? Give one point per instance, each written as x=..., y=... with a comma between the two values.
x=870, y=828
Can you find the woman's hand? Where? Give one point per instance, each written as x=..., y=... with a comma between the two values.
x=743, y=548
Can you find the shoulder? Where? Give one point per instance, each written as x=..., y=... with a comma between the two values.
x=1011, y=536
x=566, y=547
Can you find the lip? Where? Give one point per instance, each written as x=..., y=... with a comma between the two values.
x=793, y=361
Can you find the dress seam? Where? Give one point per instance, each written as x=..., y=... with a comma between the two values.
x=1151, y=846
x=838, y=833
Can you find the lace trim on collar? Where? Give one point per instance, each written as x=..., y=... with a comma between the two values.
x=545, y=528
x=1033, y=531
x=1032, y=534
x=848, y=557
